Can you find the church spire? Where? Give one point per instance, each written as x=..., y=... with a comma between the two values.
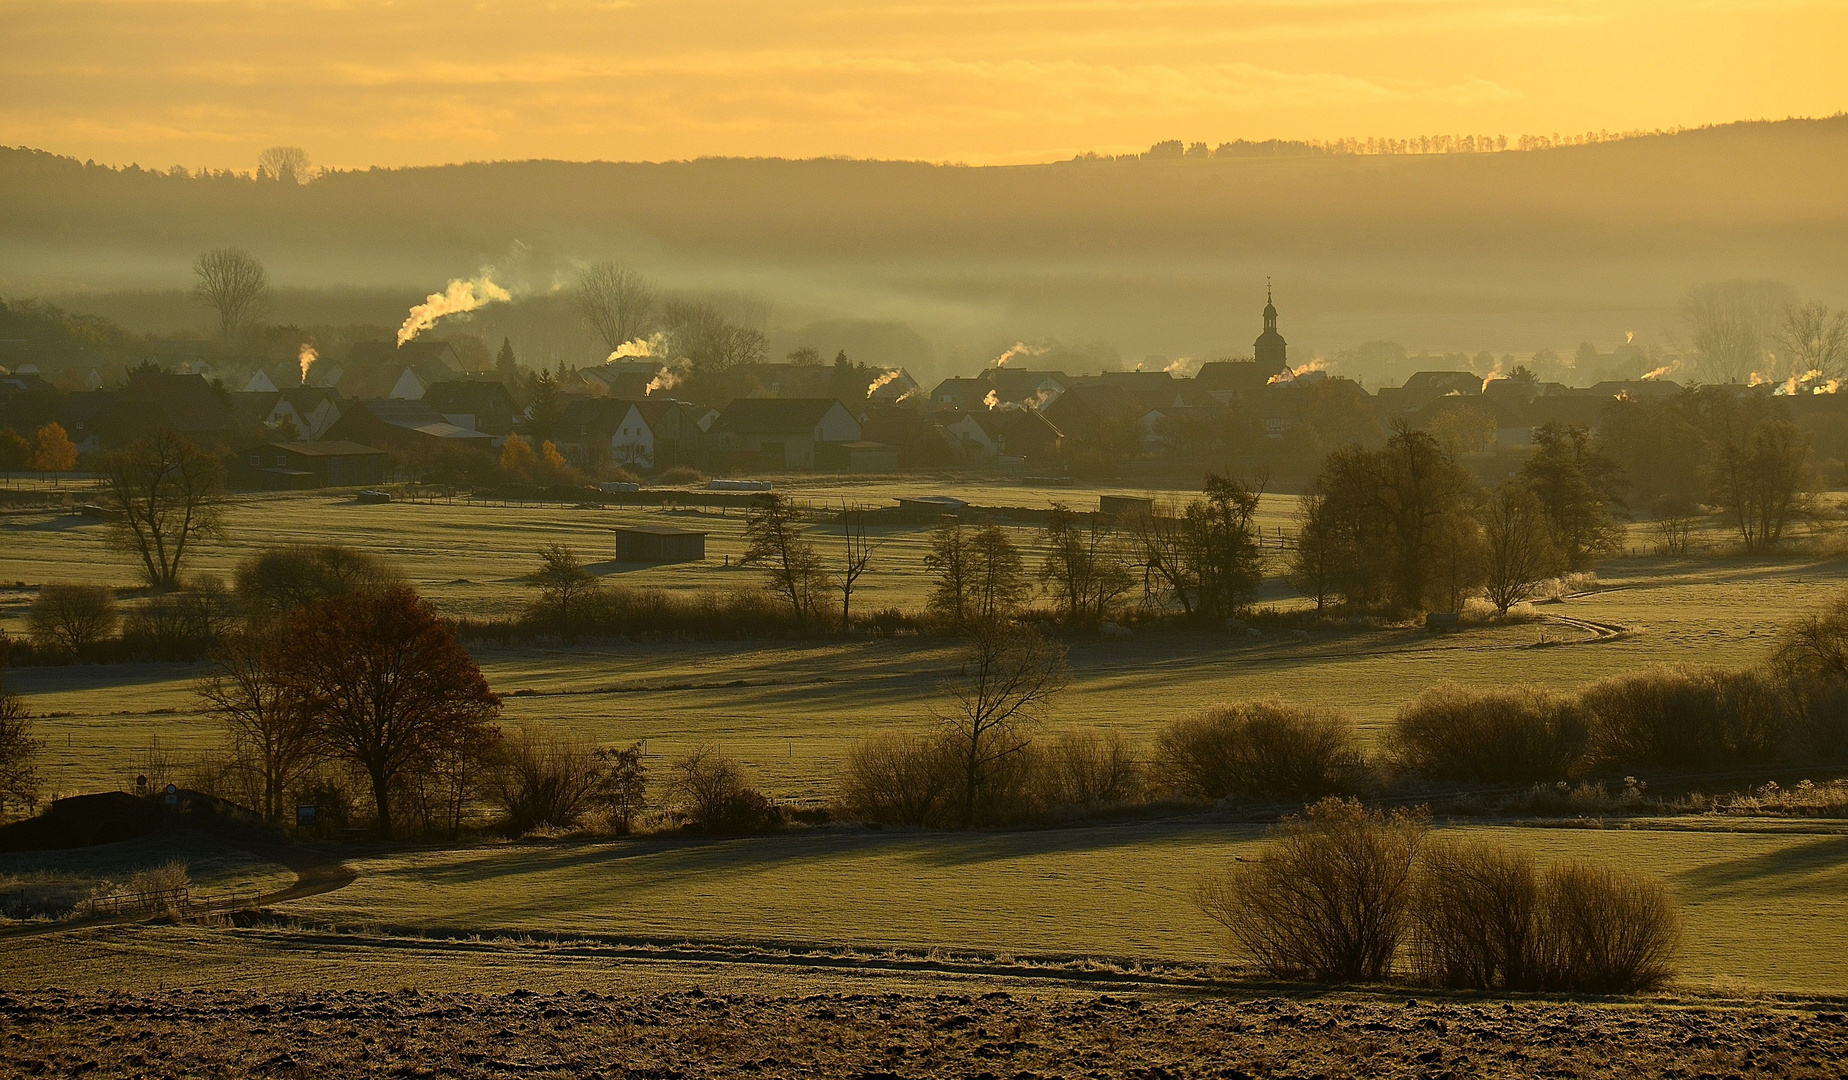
x=1270, y=349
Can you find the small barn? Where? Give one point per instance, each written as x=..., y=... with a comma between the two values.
x=659, y=544
x=1125, y=506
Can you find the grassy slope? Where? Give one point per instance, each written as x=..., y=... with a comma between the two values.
x=1763, y=908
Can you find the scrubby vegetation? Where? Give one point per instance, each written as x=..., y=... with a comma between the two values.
x=1346, y=894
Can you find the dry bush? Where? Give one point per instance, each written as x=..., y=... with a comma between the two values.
x=542, y=777
x=898, y=780
x=1476, y=918
x=1261, y=749
x=1089, y=769
x=1329, y=898
x=279, y=580
x=71, y=620
x=154, y=887
x=1486, y=919
x=181, y=625
x=1522, y=735
x=708, y=790
x=680, y=474
x=1686, y=718
x=1607, y=930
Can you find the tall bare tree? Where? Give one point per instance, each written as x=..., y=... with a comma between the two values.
x=617, y=302
x=285, y=163
x=232, y=283
x=1728, y=322
x=1083, y=569
x=564, y=585
x=773, y=538
x=856, y=561
x=1814, y=337
x=273, y=738
x=1518, y=551
x=168, y=493
x=1007, y=678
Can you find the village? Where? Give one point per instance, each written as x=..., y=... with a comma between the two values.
x=419, y=411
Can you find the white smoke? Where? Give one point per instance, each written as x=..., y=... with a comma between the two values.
x=1494, y=373
x=883, y=380
x=1182, y=368
x=1020, y=348
x=1297, y=372
x=459, y=297
x=651, y=346
x=1665, y=369
x=993, y=399
x=306, y=357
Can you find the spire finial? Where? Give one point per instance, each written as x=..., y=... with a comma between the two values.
x=1267, y=288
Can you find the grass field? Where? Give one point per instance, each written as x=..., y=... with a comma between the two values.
x=790, y=709
x=1764, y=907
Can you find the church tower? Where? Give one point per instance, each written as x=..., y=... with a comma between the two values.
x=1269, y=349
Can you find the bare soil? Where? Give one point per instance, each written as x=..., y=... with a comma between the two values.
x=1018, y=1036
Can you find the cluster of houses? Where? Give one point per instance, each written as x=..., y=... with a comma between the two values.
x=385, y=407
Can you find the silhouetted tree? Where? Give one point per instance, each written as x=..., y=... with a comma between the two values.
x=1006, y=679
x=617, y=302
x=233, y=284
x=564, y=585
x=19, y=752
x=1579, y=488
x=167, y=493
x=1518, y=551
x=286, y=163
x=68, y=619
x=273, y=738
x=1814, y=338
x=773, y=538
x=386, y=685
x=1083, y=570
x=277, y=581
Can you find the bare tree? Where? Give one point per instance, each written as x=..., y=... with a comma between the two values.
x=1728, y=322
x=1007, y=678
x=71, y=619
x=168, y=493
x=563, y=583
x=1518, y=551
x=617, y=302
x=386, y=685
x=541, y=776
x=279, y=580
x=286, y=163
x=273, y=738
x=233, y=284
x=856, y=560
x=951, y=561
x=1083, y=570
x=773, y=538
x=1814, y=338
x=19, y=750
x=999, y=577
x=1763, y=479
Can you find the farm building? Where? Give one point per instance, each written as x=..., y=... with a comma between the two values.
x=287, y=466
x=859, y=456
x=783, y=432
x=659, y=544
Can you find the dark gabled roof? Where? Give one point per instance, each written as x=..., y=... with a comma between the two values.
x=187, y=402
x=469, y=395
x=252, y=406
x=417, y=416
x=413, y=353
x=335, y=448
x=585, y=411
x=1443, y=382
x=774, y=416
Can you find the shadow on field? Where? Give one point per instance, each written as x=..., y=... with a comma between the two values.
x=645, y=863
x=61, y=523
x=1801, y=867
x=61, y=678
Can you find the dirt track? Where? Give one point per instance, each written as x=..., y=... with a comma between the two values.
x=889, y=1035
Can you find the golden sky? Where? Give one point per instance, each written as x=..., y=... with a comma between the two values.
x=212, y=82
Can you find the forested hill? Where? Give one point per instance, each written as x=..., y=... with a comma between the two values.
x=1750, y=199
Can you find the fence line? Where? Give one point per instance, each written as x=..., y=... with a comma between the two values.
x=180, y=900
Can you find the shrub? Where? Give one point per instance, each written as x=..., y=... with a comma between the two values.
x=1086, y=769
x=542, y=777
x=680, y=474
x=1261, y=749
x=1607, y=930
x=1686, y=718
x=1500, y=736
x=180, y=625
x=1328, y=898
x=279, y=580
x=1486, y=919
x=1476, y=918
x=71, y=620
x=709, y=791
x=898, y=780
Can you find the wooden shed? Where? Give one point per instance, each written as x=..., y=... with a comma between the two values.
x=659, y=544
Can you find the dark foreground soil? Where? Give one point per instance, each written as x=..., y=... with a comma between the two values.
x=1009, y=1037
